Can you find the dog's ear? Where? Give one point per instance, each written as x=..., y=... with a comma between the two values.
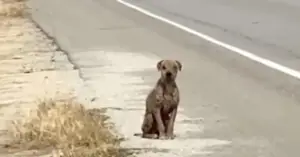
x=158, y=65
x=179, y=65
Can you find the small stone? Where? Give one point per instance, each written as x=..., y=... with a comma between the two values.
x=17, y=57
x=29, y=70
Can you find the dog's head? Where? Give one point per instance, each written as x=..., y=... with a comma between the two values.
x=169, y=69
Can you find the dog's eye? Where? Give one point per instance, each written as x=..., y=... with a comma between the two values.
x=175, y=67
x=164, y=68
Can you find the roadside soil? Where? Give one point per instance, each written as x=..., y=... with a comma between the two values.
x=34, y=69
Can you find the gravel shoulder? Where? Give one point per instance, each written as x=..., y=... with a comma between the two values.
x=230, y=106
x=32, y=69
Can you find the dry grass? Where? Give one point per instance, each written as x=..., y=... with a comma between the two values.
x=12, y=8
x=65, y=126
x=68, y=127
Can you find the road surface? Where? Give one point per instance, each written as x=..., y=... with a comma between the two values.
x=268, y=28
x=239, y=107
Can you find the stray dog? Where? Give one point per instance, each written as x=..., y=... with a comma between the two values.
x=162, y=103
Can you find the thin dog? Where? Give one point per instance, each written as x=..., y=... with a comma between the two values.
x=162, y=103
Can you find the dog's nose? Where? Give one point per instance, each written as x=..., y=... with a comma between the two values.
x=169, y=74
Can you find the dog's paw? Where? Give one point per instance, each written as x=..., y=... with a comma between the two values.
x=171, y=136
x=163, y=138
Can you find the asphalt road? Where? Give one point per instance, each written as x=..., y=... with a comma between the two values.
x=268, y=28
x=242, y=101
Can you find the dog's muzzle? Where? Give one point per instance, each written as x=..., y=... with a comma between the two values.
x=168, y=74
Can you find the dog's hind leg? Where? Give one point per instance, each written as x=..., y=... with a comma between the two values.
x=149, y=127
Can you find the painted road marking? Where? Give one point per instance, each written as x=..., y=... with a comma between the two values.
x=237, y=50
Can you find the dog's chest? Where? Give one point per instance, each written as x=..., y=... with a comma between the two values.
x=169, y=94
x=169, y=103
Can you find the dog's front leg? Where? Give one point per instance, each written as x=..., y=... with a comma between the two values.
x=170, y=125
x=160, y=125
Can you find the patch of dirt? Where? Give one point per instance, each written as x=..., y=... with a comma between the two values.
x=32, y=68
x=12, y=8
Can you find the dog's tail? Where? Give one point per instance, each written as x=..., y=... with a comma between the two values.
x=137, y=134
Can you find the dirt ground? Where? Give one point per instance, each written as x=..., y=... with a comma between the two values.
x=32, y=68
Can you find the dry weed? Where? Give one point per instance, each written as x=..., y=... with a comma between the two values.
x=12, y=1
x=12, y=8
x=68, y=127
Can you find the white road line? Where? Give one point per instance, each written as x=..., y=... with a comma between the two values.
x=244, y=53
